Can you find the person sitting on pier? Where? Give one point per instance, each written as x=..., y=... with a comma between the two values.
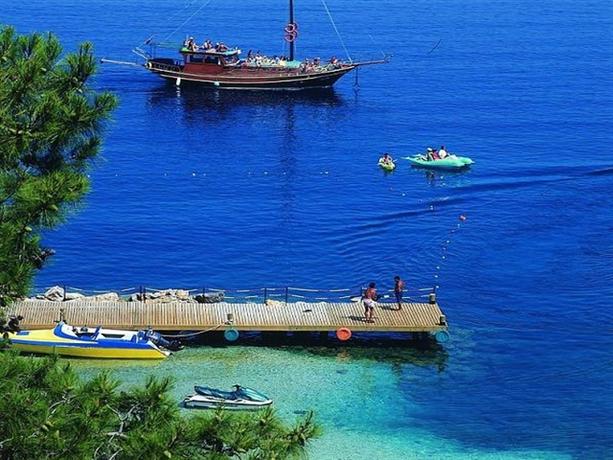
x=370, y=299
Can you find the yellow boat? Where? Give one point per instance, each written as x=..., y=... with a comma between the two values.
x=85, y=342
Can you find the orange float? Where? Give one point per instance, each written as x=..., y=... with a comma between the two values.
x=343, y=334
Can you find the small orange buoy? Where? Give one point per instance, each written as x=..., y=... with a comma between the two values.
x=462, y=217
x=343, y=334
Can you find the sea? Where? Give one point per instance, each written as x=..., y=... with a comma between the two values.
x=201, y=188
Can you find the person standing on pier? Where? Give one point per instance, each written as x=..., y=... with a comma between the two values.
x=398, y=290
x=370, y=298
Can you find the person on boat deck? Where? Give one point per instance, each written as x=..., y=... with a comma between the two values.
x=398, y=290
x=442, y=153
x=191, y=44
x=370, y=298
x=432, y=154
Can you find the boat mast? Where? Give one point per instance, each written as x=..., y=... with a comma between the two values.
x=292, y=31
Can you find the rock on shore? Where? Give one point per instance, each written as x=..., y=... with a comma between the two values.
x=58, y=294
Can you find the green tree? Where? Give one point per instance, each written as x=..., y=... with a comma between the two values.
x=50, y=124
x=47, y=412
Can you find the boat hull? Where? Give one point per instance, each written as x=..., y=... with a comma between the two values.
x=387, y=166
x=202, y=402
x=76, y=352
x=257, y=79
x=449, y=163
x=56, y=341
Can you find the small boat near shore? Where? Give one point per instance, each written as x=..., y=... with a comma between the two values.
x=87, y=342
x=240, y=398
x=450, y=162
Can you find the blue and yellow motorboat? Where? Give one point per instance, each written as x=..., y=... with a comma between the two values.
x=86, y=342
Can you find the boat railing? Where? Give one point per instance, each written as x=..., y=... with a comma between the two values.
x=164, y=66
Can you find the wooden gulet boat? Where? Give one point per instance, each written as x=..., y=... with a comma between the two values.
x=223, y=67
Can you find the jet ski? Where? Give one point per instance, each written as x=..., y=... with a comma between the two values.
x=240, y=398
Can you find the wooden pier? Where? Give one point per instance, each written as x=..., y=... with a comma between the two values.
x=278, y=316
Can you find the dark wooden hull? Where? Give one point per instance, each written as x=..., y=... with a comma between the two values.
x=251, y=78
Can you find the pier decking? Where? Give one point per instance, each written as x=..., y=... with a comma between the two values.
x=293, y=316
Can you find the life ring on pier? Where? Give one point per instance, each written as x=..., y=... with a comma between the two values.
x=231, y=335
x=291, y=28
x=290, y=37
x=343, y=334
x=441, y=336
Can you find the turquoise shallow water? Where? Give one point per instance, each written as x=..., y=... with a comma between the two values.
x=369, y=401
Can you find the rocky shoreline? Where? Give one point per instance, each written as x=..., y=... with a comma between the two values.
x=59, y=294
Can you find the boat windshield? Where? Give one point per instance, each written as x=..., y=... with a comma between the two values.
x=249, y=393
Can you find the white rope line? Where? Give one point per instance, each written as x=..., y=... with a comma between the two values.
x=337, y=32
x=188, y=19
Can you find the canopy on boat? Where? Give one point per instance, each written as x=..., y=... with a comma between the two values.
x=212, y=51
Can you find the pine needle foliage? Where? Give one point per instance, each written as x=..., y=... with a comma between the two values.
x=50, y=126
x=48, y=412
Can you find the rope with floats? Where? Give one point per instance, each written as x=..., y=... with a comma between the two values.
x=323, y=2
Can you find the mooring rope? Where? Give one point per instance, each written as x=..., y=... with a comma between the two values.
x=192, y=334
x=337, y=32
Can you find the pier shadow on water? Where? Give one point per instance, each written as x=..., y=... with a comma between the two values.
x=394, y=349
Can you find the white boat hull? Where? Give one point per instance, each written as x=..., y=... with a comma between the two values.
x=207, y=402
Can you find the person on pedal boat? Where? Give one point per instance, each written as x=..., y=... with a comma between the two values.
x=386, y=159
x=432, y=154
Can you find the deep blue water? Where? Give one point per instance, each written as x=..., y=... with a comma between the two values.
x=211, y=188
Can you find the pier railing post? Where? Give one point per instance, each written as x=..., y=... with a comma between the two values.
x=63, y=293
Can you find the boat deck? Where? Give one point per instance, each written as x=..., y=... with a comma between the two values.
x=293, y=316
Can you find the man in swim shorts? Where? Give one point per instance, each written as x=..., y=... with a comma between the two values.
x=370, y=298
x=398, y=290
